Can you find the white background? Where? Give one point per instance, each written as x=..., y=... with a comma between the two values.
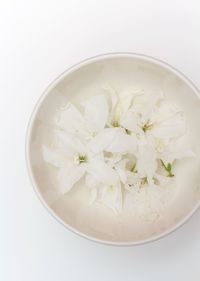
x=39, y=39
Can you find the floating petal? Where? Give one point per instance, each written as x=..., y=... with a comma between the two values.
x=147, y=163
x=71, y=120
x=102, y=172
x=69, y=175
x=96, y=113
x=122, y=143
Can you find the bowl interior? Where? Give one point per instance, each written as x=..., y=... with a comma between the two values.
x=122, y=72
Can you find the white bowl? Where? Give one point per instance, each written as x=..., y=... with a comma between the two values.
x=122, y=70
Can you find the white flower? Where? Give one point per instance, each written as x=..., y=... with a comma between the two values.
x=158, y=123
x=141, y=112
x=74, y=159
x=152, y=115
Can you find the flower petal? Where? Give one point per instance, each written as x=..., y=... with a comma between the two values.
x=69, y=175
x=102, y=140
x=91, y=182
x=146, y=164
x=177, y=149
x=122, y=143
x=94, y=195
x=120, y=168
x=102, y=172
x=165, y=111
x=96, y=112
x=55, y=157
x=125, y=101
x=171, y=128
x=70, y=141
x=122, y=174
x=93, y=185
x=132, y=121
x=145, y=104
x=112, y=98
x=72, y=121
x=112, y=197
x=163, y=180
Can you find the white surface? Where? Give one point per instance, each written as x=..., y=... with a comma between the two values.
x=39, y=40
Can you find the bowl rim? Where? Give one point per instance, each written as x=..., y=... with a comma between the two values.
x=65, y=73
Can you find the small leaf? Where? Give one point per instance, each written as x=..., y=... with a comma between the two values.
x=169, y=167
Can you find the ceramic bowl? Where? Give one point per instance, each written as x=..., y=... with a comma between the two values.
x=123, y=70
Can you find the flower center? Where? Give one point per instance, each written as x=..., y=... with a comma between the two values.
x=147, y=126
x=115, y=123
x=80, y=159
